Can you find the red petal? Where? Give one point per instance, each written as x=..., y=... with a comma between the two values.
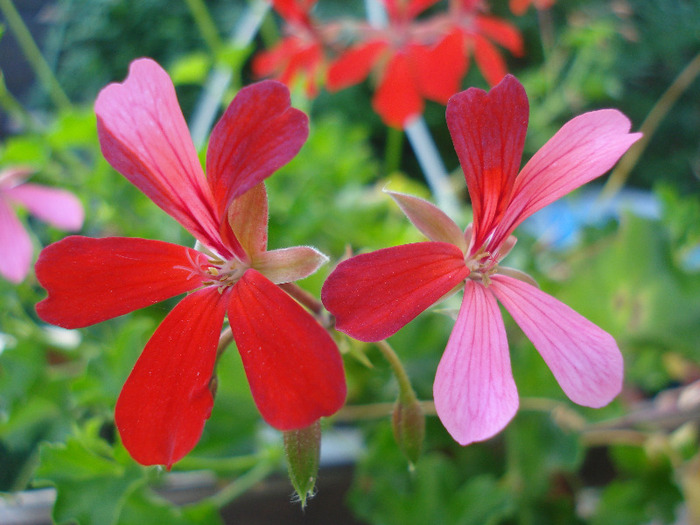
x=90, y=280
x=488, y=132
x=375, y=294
x=296, y=11
x=397, y=99
x=489, y=60
x=439, y=69
x=292, y=364
x=258, y=134
x=166, y=400
x=145, y=138
x=501, y=32
x=353, y=66
x=247, y=218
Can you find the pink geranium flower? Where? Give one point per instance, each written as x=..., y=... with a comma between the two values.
x=292, y=364
x=59, y=208
x=375, y=294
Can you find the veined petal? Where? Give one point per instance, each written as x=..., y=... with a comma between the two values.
x=439, y=69
x=15, y=245
x=247, y=217
x=373, y=295
x=396, y=99
x=354, y=65
x=430, y=220
x=475, y=395
x=258, y=134
x=59, y=208
x=293, y=366
x=91, y=280
x=488, y=132
x=166, y=400
x=287, y=265
x=583, y=149
x=144, y=136
x=584, y=359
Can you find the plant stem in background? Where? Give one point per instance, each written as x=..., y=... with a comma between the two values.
x=206, y=25
x=405, y=389
x=620, y=174
x=244, y=483
x=393, y=150
x=221, y=75
x=33, y=55
x=433, y=168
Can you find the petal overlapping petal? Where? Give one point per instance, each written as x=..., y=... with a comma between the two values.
x=583, y=149
x=475, y=394
x=144, y=136
x=15, y=245
x=584, y=359
x=430, y=220
x=373, y=295
x=166, y=400
x=247, y=218
x=439, y=69
x=60, y=208
x=354, y=65
x=488, y=132
x=91, y=280
x=293, y=366
x=287, y=265
x=259, y=133
x=397, y=99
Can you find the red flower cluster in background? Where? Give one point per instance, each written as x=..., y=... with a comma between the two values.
x=412, y=59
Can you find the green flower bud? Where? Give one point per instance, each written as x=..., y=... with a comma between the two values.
x=303, y=450
x=409, y=428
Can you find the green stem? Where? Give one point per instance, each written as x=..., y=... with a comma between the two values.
x=233, y=464
x=33, y=55
x=620, y=174
x=242, y=484
x=206, y=25
x=392, y=152
x=406, y=393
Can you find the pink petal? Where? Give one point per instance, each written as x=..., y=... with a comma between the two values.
x=59, y=208
x=488, y=132
x=583, y=149
x=258, y=134
x=584, y=359
x=397, y=99
x=166, y=400
x=247, y=219
x=475, y=395
x=91, y=280
x=145, y=138
x=430, y=220
x=375, y=294
x=354, y=65
x=15, y=245
x=293, y=366
x=287, y=265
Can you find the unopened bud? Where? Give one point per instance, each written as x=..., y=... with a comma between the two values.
x=409, y=428
x=303, y=450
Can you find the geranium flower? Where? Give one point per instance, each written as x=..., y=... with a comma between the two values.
x=375, y=294
x=413, y=63
x=477, y=30
x=292, y=364
x=59, y=208
x=299, y=54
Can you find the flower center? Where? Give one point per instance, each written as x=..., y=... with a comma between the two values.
x=223, y=273
x=481, y=266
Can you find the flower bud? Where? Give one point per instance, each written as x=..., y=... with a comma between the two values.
x=409, y=428
x=303, y=450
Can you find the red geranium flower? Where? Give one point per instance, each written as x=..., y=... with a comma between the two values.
x=413, y=63
x=520, y=6
x=375, y=294
x=292, y=364
x=297, y=55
